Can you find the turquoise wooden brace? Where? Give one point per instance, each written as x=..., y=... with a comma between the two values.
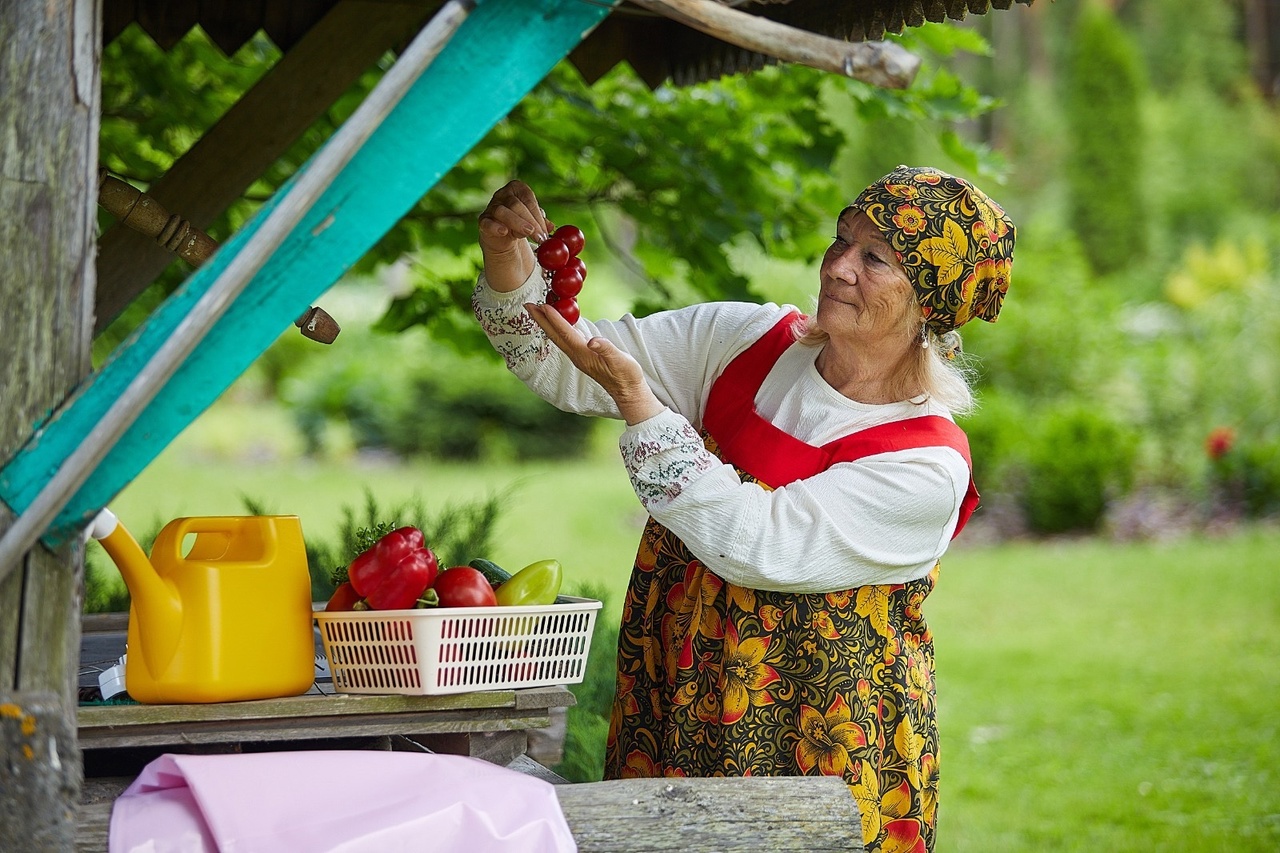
x=500, y=53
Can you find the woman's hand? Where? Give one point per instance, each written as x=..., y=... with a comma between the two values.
x=512, y=217
x=617, y=372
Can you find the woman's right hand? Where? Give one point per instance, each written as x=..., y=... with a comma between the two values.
x=512, y=218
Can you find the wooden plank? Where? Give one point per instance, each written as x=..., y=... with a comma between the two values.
x=253, y=134
x=125, y=716
x=738, y=815
x=878, y=63
x=815, y=814
x=503, y=50
x=49, y=111
x=284, y=729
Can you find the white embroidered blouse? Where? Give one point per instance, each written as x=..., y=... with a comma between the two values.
x=883, y=519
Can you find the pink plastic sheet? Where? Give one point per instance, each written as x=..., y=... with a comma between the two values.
x=336, y=801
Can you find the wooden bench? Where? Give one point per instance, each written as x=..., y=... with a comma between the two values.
x=814, y=814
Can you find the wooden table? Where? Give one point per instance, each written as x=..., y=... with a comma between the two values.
x=761, y=815
x=491, y=725
x=118, y=739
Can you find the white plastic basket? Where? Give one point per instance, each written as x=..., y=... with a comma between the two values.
x=458, y=649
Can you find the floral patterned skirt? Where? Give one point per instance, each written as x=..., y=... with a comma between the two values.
x=719, y=680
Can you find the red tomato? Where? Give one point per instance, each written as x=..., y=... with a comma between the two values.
x=573, y=238
x=463, y=586
x=577, y=265
x=343, y=598
x=553, y=253
x=568, y=308
x=566, y=282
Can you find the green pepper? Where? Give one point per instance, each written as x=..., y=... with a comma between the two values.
x=536, y=583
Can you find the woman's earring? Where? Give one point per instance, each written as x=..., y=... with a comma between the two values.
x=924, y=336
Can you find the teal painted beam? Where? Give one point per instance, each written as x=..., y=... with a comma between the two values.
x=500, y=53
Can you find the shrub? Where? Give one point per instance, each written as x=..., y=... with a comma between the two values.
x=1246, y=477
x=416, y=397
x=471, y=411
x=1077, y=461
x=1104, y=88
x=456, y=534
x=587, y=724
x=997, y=442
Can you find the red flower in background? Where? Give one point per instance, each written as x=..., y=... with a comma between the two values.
x=1219, y=442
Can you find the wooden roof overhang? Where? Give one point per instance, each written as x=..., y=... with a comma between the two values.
x=657, y=47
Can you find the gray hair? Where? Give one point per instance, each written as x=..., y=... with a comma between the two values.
x=940, y=371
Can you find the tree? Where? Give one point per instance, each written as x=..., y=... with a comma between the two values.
x=1104, y=86
x=669, y=180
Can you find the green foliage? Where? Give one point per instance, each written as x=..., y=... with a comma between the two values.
x=1077, y=460
x=998, y=435
x=412, y=396
x=1247, y=478
x=457, y=533
x=668, y=180
x=104, y=589
x=1104, y=88
x=588, y=720
x=1207, y=54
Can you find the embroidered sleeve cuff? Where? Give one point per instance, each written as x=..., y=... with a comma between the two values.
x=508, y=326
x=663, y=455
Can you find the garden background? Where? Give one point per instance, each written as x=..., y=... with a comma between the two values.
x=1108, y=629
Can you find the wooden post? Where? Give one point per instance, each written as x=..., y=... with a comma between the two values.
x=49, y=109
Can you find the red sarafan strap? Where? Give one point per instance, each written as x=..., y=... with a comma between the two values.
x=777, y=458
x=734, y=390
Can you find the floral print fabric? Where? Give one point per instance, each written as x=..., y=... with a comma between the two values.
x=955, y=243
x=719, y=680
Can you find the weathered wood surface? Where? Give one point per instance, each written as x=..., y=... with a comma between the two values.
x=813, y=814
x=761, y=815
x=313, y=717
x=878, y=63
x=49, y=114
x=253, y=134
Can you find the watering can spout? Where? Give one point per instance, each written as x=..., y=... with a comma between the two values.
x=156, y=604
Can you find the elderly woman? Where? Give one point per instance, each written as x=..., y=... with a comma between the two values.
x=803, y=477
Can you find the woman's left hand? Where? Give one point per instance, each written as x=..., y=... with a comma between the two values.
x=617, y=372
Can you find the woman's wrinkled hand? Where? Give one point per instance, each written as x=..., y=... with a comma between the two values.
x=506, y=225
x=616, y=372
x=512, y=216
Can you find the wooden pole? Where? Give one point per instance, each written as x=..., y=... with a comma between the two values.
x=144, y=215
x=279, y=223
x=878, y=63
x=49, y=112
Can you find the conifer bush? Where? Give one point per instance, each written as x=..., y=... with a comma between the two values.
x=1104, y=86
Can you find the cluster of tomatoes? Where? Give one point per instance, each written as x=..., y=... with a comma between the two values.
x=564, y=270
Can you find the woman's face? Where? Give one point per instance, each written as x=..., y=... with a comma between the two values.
x=864, y=291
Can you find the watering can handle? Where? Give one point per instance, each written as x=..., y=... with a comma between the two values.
x=169, y=540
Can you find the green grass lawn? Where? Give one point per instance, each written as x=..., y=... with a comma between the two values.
x=1096, y=696
x=1092, y=695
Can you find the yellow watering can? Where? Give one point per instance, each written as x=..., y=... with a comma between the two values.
x=230, y=619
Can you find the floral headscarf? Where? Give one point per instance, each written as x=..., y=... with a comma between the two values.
x=955, y=243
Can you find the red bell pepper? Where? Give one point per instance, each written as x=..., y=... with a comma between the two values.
x=396, y=571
